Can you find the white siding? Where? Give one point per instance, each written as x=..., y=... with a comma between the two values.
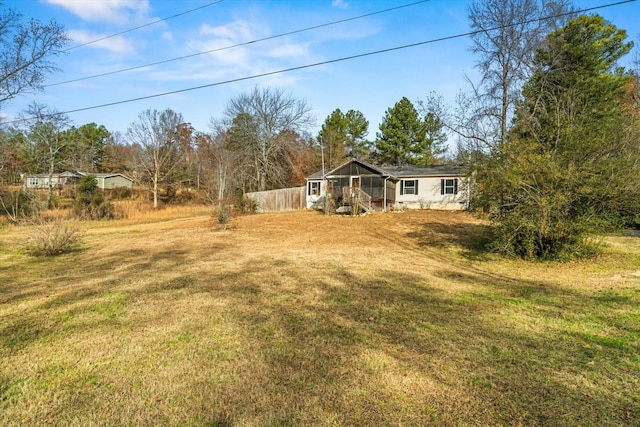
x=315, y=200
x=430, y=194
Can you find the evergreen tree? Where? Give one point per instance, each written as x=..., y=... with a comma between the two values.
x=333, y=137
x=568, y=165
x=357, y=130
x=87, y=147
x=88, y=197
x=343, y=135
x=405, y=137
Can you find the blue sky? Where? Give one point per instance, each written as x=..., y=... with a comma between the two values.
x=370, y=84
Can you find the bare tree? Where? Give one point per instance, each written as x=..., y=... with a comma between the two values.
x=260, y=124
x=46, y=134
x=25, y=50
x=220, y=164
x=509, y=32
x=158, y=135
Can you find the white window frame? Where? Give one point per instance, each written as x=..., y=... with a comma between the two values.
x=413, y=187
x=314, y=188
x=34, y=182
x=450, y=186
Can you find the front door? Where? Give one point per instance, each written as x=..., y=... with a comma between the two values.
x=355, y=184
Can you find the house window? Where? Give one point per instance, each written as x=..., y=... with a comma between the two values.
x=449, y=186
x=409, y=186
x=33, y=182
x=314, y=189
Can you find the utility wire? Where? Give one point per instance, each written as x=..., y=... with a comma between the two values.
x=332, y=61
x=142, y=26
x=237, y=45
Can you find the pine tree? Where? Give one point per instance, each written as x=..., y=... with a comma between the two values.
x=568, y=165
x=402, y=138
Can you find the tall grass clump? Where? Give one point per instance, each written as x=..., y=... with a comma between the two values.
x=53, y=238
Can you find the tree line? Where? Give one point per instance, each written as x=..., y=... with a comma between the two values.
x=261, y=142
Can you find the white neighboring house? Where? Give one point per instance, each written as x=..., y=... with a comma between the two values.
x=106, y=181
x=391, y=187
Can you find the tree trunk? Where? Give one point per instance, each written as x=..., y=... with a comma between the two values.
x=50, y=191
x=155, y=190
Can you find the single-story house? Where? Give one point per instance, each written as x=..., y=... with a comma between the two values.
x=106, y=181
x=389, y=187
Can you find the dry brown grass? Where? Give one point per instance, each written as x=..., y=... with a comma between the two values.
x=302, y=319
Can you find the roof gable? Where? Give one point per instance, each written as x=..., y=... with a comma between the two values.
x=352, y=167
x=111, y=175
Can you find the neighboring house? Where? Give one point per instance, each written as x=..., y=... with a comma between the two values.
x=57, y=180
x=110, y=181
x=106, y=181
x=390, y=187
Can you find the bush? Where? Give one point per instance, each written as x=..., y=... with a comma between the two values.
x=189, y=196
x=167, y=194
x=90, y=203
x=224, y=214
x=120, y=193
x=531, y=232
x=18, y=205
x=53, y=238
x=328, y=205
x=247, y=205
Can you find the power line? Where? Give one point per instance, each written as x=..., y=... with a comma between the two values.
x=237, y=45
x=142, y=26
x=331, y=61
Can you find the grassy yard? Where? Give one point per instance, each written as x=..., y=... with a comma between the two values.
x=296, y=318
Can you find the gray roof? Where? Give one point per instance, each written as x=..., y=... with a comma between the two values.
x=405, y=171
x=316, y=175
x=110, y=175
x=433, y=170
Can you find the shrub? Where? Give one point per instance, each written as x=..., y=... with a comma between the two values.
x=18, y=205
x=53, y=238
x=224, y=215
x=247, y=205
x=531, y=232
x=120, y=193
x=328, y=204
x=90, y=203
x=168, y=194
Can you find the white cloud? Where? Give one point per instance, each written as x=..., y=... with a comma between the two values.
x=289, y=51
x=221, y=37
x=341, y=4
x=236, y=31
x=168, y=36
x=118, y=11
x=116, y=44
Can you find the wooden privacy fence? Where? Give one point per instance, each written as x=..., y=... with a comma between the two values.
x=285, y=199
